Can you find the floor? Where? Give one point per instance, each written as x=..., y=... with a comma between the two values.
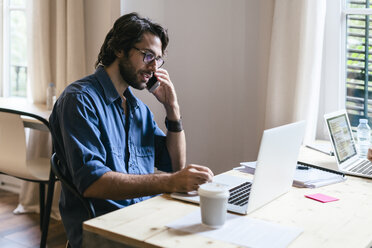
x=21, y=231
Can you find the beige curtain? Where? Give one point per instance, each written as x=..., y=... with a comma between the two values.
x=295, y=63
x=58, y=45
x=57, y=55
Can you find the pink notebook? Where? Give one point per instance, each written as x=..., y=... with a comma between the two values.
x=322, y=198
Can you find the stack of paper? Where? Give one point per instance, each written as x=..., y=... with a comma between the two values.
x=306, y=176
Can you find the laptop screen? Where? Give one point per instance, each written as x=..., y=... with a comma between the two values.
x=342, y=137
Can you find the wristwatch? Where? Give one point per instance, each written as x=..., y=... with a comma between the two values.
x=174, y=126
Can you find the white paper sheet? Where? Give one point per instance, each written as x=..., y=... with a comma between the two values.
x=240, y=230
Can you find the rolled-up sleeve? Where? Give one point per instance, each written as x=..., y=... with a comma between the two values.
x=85, y=153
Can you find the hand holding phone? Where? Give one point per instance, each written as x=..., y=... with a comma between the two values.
x=152, y=84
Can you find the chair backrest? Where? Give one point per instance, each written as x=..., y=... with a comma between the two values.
x=71, y=187
x=13, y=155
x=13, y=146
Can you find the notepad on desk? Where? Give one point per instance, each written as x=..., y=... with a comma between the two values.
x=324, y=147
x=306, y=175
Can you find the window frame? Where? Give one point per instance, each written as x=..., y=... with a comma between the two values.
x=333, y=86
x=333, y=73
x=345, y=12
x=332, y=90
x=5, y=62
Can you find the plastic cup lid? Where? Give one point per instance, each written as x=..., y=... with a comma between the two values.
x=213, y=189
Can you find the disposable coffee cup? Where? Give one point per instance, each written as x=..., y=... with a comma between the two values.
x=213, y=204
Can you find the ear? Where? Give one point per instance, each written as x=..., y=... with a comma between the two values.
x=119, y=54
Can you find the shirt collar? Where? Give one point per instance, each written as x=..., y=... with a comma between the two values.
x=109, y=91
x=131, y=98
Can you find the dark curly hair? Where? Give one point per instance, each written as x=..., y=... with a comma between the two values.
x=127, y=31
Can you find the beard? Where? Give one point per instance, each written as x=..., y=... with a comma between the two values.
x=129, y=74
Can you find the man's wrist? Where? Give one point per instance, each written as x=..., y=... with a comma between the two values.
x=174, y=125
x=173, y=112
x=171, y=183
x=167, y=183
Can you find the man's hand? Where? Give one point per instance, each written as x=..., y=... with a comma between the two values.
x=117, y=186
x=190, y=177
x=369, y=155
x=166, y=94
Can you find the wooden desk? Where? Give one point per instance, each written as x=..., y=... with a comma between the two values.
x=343, y=223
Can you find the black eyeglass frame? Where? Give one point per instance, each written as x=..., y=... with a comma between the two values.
x=158, y=60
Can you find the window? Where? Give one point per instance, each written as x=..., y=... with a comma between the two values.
x=357, y=14
x=14, y=48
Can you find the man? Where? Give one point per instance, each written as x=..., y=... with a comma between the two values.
x=106, y=139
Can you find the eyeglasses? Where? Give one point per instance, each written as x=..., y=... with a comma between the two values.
x=149, y=57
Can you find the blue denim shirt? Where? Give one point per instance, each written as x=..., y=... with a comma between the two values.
x=92, y=136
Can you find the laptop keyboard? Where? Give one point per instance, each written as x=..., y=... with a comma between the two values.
x=364, y=168
x=240, y=194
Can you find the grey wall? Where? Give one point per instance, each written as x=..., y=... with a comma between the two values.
x=99, y=17
x=217, y=60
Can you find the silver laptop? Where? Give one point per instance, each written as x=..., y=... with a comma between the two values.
x=276, y=164
x=343, y=144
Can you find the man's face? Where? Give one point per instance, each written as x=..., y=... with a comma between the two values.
x=132, y=67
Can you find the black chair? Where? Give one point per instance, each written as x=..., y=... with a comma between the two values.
x=14, y=161
x=54, y=162
x=71, y=187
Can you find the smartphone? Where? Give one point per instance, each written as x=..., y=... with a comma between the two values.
x=152, y=84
